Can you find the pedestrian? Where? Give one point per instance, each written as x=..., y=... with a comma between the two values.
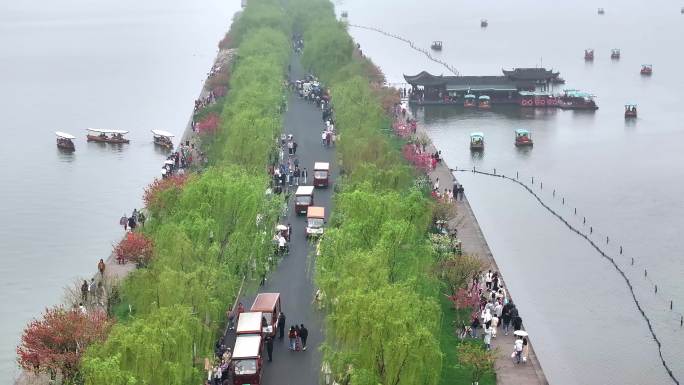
x=289, y=232
x=298, y=341
x=506, y=316
x=141, y=218
x=135, y=214
x=294, y=148
x=230, y=315
x=101, y=267
x=526, y=350
x=488, y=337
x=436, y=185
x=305, y=174
x=290, y=147
x=297, y=174
x=292, y=335
x=240, y=309
x=269, y=347
x=488, y=280
x=92, y=289
x=303, y=334
x=281, y=325
x=124, y=222
x=498, y=309
x=517, y=323
x=473, y=326
x=460, y=192
x=131, y=223
x=495, y=323
x=82, y=308
x=84, y=291
x=323, y=138
x=517, y=349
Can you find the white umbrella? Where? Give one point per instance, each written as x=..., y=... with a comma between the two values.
x=281, y=227
x=520, y=333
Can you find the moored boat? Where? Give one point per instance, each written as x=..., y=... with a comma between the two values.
x=589, y=54
x=523, y=138
x=107, y=136
x=484, y=23
x=577, y=100
x=630, y=111
x=476, y=141
x=163, y=138
x=469, y=100
x=484, y=102
x=436, y=45
x=615, y=54
x=646, y=69
x=65, y=141
x=601, y=11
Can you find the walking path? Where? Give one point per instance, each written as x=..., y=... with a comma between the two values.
x=293, y=278
x=474, y=243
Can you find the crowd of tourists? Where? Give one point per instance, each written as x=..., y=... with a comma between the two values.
x=205, y=101
x=285, y=172
x=130, y=223
x=496, y=310
x=182, y=158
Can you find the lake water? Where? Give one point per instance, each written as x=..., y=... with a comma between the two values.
x=626, y=178
x=68, y=65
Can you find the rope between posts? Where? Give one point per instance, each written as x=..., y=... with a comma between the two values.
x=412, y=45
x=604, y=255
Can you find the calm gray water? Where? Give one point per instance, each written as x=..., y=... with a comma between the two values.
x=68, y=65
x=625, y=178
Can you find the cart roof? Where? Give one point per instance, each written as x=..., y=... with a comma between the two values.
x=247, y=346
x=321, y=166
x=105, y=131
x=315, y=212
x=64, y=135
x=305, y=190
x=162, y=133
x=265, y=302
x=477, y=135
x=249, y=322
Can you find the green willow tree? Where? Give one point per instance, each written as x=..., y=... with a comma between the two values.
x=210, y=233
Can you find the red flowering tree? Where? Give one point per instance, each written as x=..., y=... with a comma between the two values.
x=135, y=247
x=159, y=195
x=55, y=343
x=220, y=91
x=208, y=125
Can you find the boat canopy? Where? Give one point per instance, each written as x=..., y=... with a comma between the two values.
x=104, y=131
x=484, y=97
x=475, y=135
x=630, y=105
x=469, y=96
x=577, y=94
x=247, y=346
x=64, y=135
x=521, y=132
x=249, y=322
x=305, y=190
x=162, y=133
x=265, y=302
x=646, y=65
x=315, y=212
x=321, y=166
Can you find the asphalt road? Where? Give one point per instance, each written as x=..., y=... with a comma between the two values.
x=293, y=278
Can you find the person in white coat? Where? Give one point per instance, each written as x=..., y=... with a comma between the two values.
x=488, y=337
